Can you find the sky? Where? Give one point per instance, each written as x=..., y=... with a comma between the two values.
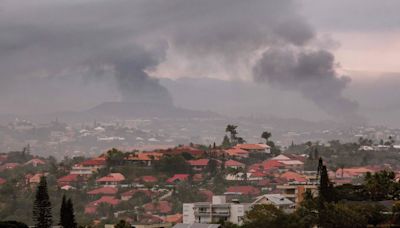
x=367, y=32
x=329, y=55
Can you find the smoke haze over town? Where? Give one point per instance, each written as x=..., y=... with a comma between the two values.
x=74, y=55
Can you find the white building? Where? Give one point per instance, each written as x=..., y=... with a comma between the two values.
x=277, y=200
x=218, y=210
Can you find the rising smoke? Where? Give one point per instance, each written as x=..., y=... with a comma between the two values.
x=212, y=37
x=312, y=73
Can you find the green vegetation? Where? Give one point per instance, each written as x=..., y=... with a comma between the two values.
x=172, y=164
x=12, y=224
x=67, y=216
x=42, y=207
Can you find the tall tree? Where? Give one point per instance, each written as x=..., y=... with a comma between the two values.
x=115, y=157
x=42, y=206
x=226, y=143
x=232, y=130
x=63, y=212
x=71, y=222
x=266, y=135
x=325, y=186
x=67, y=216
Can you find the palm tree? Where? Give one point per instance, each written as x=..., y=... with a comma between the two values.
x=232, y=130
x=266, y=135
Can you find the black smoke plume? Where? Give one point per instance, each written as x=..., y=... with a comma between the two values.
x=310, y=72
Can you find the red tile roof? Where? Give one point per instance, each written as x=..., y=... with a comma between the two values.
x=93, y=162
x=176, y=218
x=252, y=146
x=292, y=176
x=245, y=190
x=132, y=192
x=112, y=177
x=145, y=156
x=258, y=174
x=2, y=181
x=103, y=191
x=199, y=162
x=163, y=207
x=91, y=208
x=233, y=163
x=236, y=152
x=149, y=179
x=268, y=165
x=178, y=177
x=11, y=165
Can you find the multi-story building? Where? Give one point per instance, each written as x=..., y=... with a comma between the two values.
x=216, y=211
x=295, y=192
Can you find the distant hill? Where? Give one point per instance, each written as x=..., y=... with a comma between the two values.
x=124, y=110
x=115, y=110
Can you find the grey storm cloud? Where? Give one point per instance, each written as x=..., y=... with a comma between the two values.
x=311, y=72
x=129, y=38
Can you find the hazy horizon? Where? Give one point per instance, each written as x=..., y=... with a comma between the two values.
x=321, y=60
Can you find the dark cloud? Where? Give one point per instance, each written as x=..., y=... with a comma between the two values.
x=312, y=73
x=128, y=39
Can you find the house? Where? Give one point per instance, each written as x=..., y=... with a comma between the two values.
x=237, y=176
x=242, y=190
x=112, y=179
x=145, y=158
x=34, y=179
x=91, y=208
x=10, y=165
x=237, y=153
x=178, y=178
x=160, y=207
x=281, y=157
x=240, y=176
x=292, y=162
x=103, y=191
x=149, y=179
x=278, y=200
x=185, y=149
x=70, y=179
x=295, y=192
x=268, y=165
x=89, y=167
x=293, y=177
x=354, y=172
x=199, y=164
x=232, y=164
x=213, y=212
x=35, y=162
x=129, y=194
x=255, y=148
